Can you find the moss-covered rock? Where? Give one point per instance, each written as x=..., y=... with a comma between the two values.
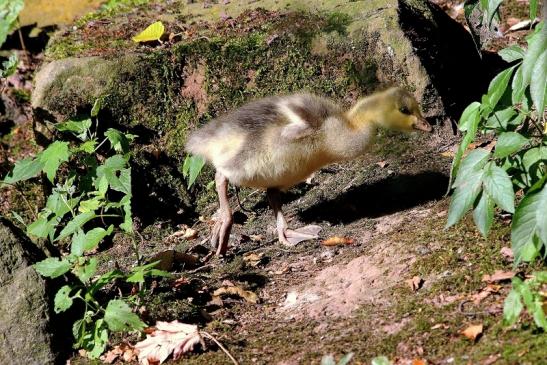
x=219, y=56
x=24, y=303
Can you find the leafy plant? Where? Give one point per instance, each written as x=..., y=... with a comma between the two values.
x=513, y=176
x=531, y=292
x=88, y=188
x=9, y=12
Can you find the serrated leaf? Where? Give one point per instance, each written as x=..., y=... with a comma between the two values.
x=152, y=33
x=511, y=53
x=118, y=140
x=105, y=279
x=79, y=126
x=75, y=224
x=536, y=46
x=100, y=339
x=464, y=196
x=88, y=146
x=473, y=162
x=468, y=116
x=497, y=87
x=53, y=156
x=62, y=300
x=119, y=317
x=86, y=272
x=9, y=66
x=52, y=267
x=512, y=307
x=9, y=11
x=90, y=205
x=41, y=227
x=483, y=214
x=538, y=84
x=24, y=170
x=97, y=105
x=509, y=143
x=499, y=186
x=78, y=242
x=525, y=224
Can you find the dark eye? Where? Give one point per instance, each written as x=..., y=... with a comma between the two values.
x=404, y=110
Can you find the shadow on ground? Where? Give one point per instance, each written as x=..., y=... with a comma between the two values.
x=380, y=198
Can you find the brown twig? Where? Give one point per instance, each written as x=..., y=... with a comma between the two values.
x=209, y=336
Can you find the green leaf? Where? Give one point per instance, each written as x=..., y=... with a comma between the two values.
x=468, y=116
x=499, y=186
x=79, y=126
x=518, y=87
x=497, y=87
x=82, y=242
x=328, y=360
x=539, y=314
x=536, y=46
x=541, y=215
x=97, y=105
x=41, y=227
x=78, y=242
x=192, y=167
x=18, y=217
x=533, y=156
x=509, y=143
x=52, y=267
x=538, y=83
x=483, y=215
x=525, y=224
x=119, y=317
x=105, y=279
x=121, y=183
x=127, y=224
x=381, y=360
x=152, y=33
x=53, y=156
x=492, y=9
x=117, y=140
x=24, y=170
x=469, y=136
x=90, y=205
x=100, y=339
x=512, y=307
x=87, y=146
x=346, y=359
x=511, y=53
x=464, y=196
x=501, y=118
x=62, y=300
x=533, y=9
x=9, y=66
x=75, y=224
x=86, y=272
x=9, y=11
x=473, y=162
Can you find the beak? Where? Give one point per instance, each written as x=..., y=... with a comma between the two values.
x=422, y=125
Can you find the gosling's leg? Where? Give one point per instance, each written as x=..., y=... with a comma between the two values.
x=287, y=236
x=222, y=228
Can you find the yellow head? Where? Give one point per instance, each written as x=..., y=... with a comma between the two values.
x=394, y=109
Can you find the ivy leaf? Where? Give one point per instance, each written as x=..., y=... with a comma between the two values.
x=152, y=33
x=464, y=197
x=119, y=317
x=538, y=83
x=509, y=143
x=52, y=267
x=192, y=167
x=497, y=87
x=62, y=300
x=24, y=170
x=117, y=140
x=75, y=224
x=525, y=224
x=483, y=215
x=512, y=307
x=53, y=156
x=499, y=186
x=78, y=126
x=511, y=53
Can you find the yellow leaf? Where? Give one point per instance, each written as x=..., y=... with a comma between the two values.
x=152, y=33
x=335, y=241
x=472, y=332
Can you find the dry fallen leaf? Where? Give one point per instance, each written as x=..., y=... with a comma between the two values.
x=498, y=275
x=182, y=281
x=448, y=154
x=419, y=362
x=124, y=351
x=507, y=253
x=249, y=296
x=485, y=292
x=382, y=164
x=491, y=359
x=336, y=241
x=415, y=283
x=168, y=338
x=253, y=259
x=473, y=331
